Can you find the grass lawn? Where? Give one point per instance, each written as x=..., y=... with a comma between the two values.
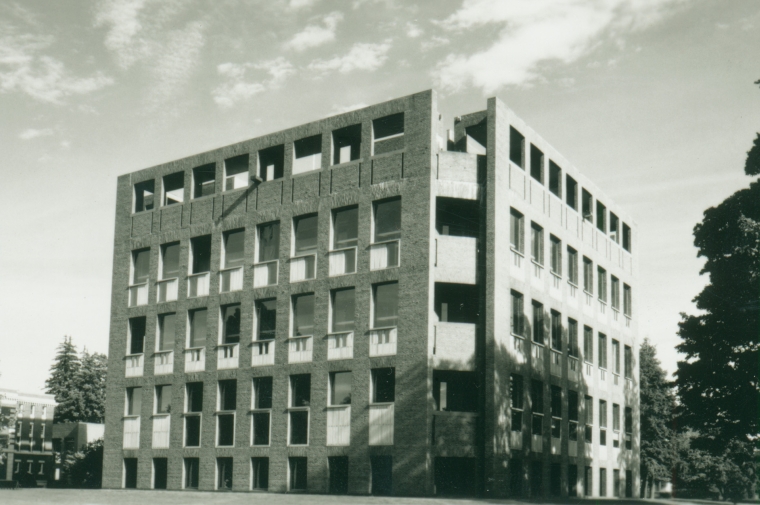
x=121, y=497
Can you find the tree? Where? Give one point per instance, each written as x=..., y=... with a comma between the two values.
x=91, y=381
x=84, y=469
x=62, y=382
x=657, y=404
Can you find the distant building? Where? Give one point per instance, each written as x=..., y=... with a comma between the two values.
x=26, y=443
x=369, y=304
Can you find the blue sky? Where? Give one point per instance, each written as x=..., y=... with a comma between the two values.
x=652, y=99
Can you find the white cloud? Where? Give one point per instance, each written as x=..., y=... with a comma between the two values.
x=300, y=4
x=122, y=16
x=25, y=68
x=32, y=133
x=65, y=144
x=315, y=35
x=362, y=56
x=237, y=89
x=413, y=31
x=535, y=32
x=433, y=42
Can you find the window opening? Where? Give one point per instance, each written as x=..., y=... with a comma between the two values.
x=308, y=154
x=347, y=144
x=236, y=172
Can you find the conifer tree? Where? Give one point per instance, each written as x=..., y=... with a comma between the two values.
x=62, y=382
x=91, y=381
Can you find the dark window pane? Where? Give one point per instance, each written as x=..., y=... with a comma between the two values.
x=383, y=385
x=388, y=220
x=234, y=242
x=198, y=319
x=305, y=232
x=137, y=335
x=228, y=394
x=343, y=310
x=345, y=227
x=303, y=315
x=226, y=429
x=192, y=431
x=300, y=390
x=262, y=392
x=266, y=318
x=261, y=428
x=269, y=241
x=170, y=261
x=201, y=249
x=299, y=427
x=194, y=397
x=386, y=305
x=340, y=388
x=203, y=180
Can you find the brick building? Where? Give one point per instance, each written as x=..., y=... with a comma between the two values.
x=370, y=303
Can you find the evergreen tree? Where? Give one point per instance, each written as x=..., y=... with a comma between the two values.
x=91, y=381
x=657, y=404
x=62, y=382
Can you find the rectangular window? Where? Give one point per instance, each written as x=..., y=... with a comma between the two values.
x=140, y=266
x=571, y=195
x=628, y=427
x=614, y=228
x=518, y=314
x=230, y=328
x=626, y=237
x=383, y=385
x=586, y=203
x=536, y=164
x=269, y=242
x=143, y=197
x=615, y=292
x=134, y=401
x=588, y=344
x=303, y=315
x=616, y=483
x=236, y=172
x=556, y=252
x=602, y=422
x=537, y=397
x=627, y=300
x=272, y=163
x=556, y=330
x=602, y=482
x=174, y=188
x=130, y=473
x=266, y=319
x=517, y=231
x=555, y=179
x=588, y=481
x=628, y=362
x=307, y=154
x=453, y=391
x=572, y=405
x=385, y=308
x=588, y=276
x=297, y=473
x=387, y=220
x=517, y=401
x=347, y=144
x=137, y=335
x=602, y=350
x=601, y=216
x=616, y=356
x=170, y=260
x=538, y=322
x=193, y=410
x=615, y=417
x=556, y=406
x=194, y=397
x=345, y=228
x=261, y=400
x=516, y=147
x=198, y=325
x=204, y=178
x=572, y=266
x=163, y=400
x=234, y=250
x=388, y=133
x=200, y=249
x=227, y=402
x=300, y=399
x=260, y=473
x=537, y=243
x=340, y=388
x=601, y=276
x=305, y=235
x=192, y=473
x=343, y=310
x=224, y=474
x=572, y=337
x=227, y=395
x=589, y=413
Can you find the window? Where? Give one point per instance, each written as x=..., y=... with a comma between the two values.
x=305, y=235
x=457, y=217
x=572, y=337
x=614, y=228
x=303, y=315
x=388, y=133
x=536, y=164
x=170, y=260
x=193, y=410
x=601, y=275
x=385, y=307
x=192, y=473
x=298, y=416
x=272, y=163
x=204, y=178
x=307, y=154
x=343, y=310
x=601, y=216
x=383, y=385
x=555, y=179
x=589, y=411
x=616, y=483
x=144, y=195
x=556, y=329
x=616, y=356
x=456, y=303
x=572, y=414
x=230, y=328
x=586, y=203
x=615, y=292
x=627, y=300
x=387, y=220
x=626, y=237
x=538, y=322
x=517, y=231
x=266, y=319
x=588, y=276
x=140, y=266
x=571, y=195
x=572, y=480
x=261, y=399
x=134, y=402
x=537, y=243
x=163, y=400
x=130, y=473
x=347, y=144
x=234, y=249
x=340, y=388
x=518, y=314
x=236, y=172
x=516, y=401
x=537, y=396
x=224, y=474
x=297, y=474
x=556, y=406
x=602, y=350
x=556, y=252
x=628, y=427
x=572, y=266
x=588, y=344
x=227, y=394
x=588, y=481
x=200, y=250
x=345, y=227
x=602, y=422
x=260, y=473
x=455, y=391
x=602, y=482
x=628, y=362
x=137, y=335
x=174, y=188
x=516, y=147
x=269, y=242
x=225, y=418
x=615, y=417
x=197, y=334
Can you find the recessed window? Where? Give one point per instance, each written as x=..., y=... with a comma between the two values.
x=572, y=414
x=455, y=391
x=538, y=322
x=160, y=472
x=536, y=164
x=516, y=147
x=236, y=172
x=340, y=388
x=556, y=410
x=266, y=319
x=163, y=403
x=555, y=179
x=571, y=192
x=140, y=266
x=192, y=473
x=602, y=347
x=385, y=308
x=556, y=330
x=130, y=473
x=615, y=292
x=137, y=335
x=174, y=188
x=588, y=344
x=197, y=328
x=586, y=205
x=261, y=401
x=616, y=356
x=628, y=362
x=230, y=328
x=224, y=474
x=601, y=216
x=627, y=300
x=200, y=251
x=307, y=154
x=170, y=260
x=556, y=255
x=387, y=220
x=143, y=197
x=300, y=400
x=204, y=179
x=225, y=418
x=518, y=314
x=572, y=266
x=304, y=235
x=517, y=231
x=614, y=228
x=383, y=385
x=626, y=237
x=347, y=144
x=193, y=414
x=345, y=227
x=260, y=473
x=388, y=133
x=303, y=315
x=297, y=469
x=234, y=249
x=167, y=325
x=457, y=217
x=272, y=163
x=516, y=397
x=537, y=407
x=343, y=310
x=572, y=337
x=133, y=402
x=537, y=243
x=601, y=277
x=588, y=276
x=269, y=242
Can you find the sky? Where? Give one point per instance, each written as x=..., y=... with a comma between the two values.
x=653, y=100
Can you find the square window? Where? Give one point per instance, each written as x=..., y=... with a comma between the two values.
x=307, y=154
x=204, y=179
x=174, y=188
x=236, y=172
x=143, y=196
x=347, y=144
x=272, y=163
